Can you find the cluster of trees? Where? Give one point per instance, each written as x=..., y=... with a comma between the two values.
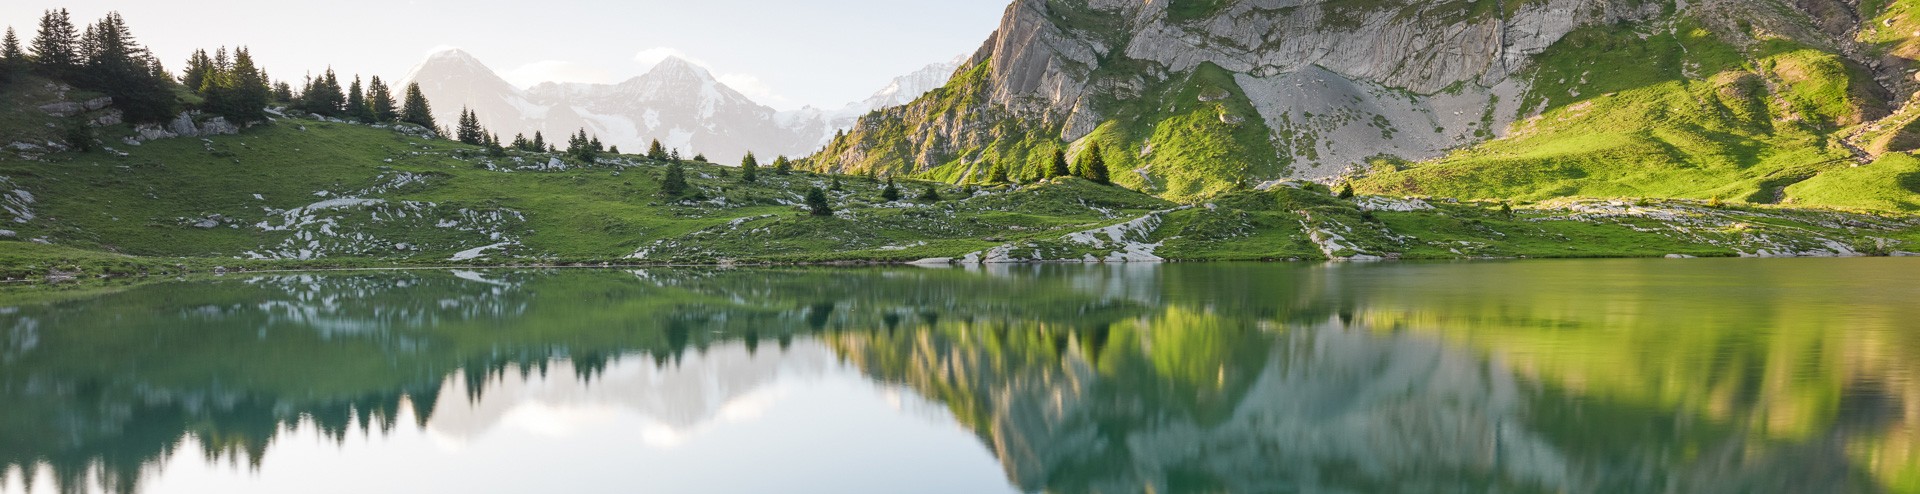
x=469, y=131
x=370, y=103
x=229, y=86
x=1092, y=166
x=104, y=57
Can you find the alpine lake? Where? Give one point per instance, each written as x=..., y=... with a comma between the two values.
x=1567, y=376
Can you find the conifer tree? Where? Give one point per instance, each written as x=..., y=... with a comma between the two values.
x=55, y=49
x=1093, y=165
x=656, y=152
x=112, y=62
x=199, y=67
x=10, y=48
x=357, y=109
x=416, y=110
x=782, y=165
x=380, y=101
x=539, y=142
x=890, y=193
x=817, y=202
x=699, y=157
x=674, y=155
x=930, y=194
x=749, y=168
x=1059, y=168
x=520, y=142
x=248, y=89
x=836, y=185
x=613, y=150
x=998, y=174
x=469, y=128
x=282, y=92
x=1346, y=191
x=674, y=184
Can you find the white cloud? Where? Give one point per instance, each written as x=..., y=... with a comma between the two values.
x=556, y=71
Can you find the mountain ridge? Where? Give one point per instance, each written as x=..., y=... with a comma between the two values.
x=1193, y=98
x=676, y=101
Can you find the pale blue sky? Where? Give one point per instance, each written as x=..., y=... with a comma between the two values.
x=783, y=53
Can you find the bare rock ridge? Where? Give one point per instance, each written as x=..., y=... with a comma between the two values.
x=677, y=102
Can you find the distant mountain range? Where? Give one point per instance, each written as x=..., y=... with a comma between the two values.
x=677, y=102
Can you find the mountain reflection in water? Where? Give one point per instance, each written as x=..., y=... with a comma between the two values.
x=1565, y=376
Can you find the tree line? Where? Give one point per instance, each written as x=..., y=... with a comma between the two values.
x=106, y=57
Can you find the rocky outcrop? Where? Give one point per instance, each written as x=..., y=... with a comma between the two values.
x=185, y=125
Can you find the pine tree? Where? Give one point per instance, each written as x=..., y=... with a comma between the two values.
x=997, y=174
x=199, y=68
x=56, y=48
x=701, y=158
x=1346, y=191
x=613, y=150
x=749, y=168
x=656, y=152
x=1059, y=168
x=10, y=48
x=890, y=193
x=835, y=185
x=930, y=195
x=674, y=184
x=674, y=155
x=817, y=202
x=469, y=128
x=380, y=101
x=493, y=146
x=115, y=64
x=416, y=110
x=782, y=165
x=539, y=142
x=357, y=109
x=1093, y=165
x=248, y=89
x=326, y=97
x=520, y=142
x=282, y=93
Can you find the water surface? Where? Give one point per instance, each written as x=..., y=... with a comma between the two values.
x=1544, y=376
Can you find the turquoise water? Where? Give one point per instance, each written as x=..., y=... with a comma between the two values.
x=1538, y=376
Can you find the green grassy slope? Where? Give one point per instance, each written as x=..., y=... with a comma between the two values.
x=1668, y=109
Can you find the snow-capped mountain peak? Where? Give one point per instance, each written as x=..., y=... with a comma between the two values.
x=677, y=102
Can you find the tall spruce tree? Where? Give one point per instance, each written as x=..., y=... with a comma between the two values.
x=817, y=202
x=749, y=168
x=416, y=110
x=12, y=58
x=380, y=101
x=1059, y=168
x=357, y=109
x=56, y=48
x=539, y=142
x=674, y=184
x=468, y=130
x=656, y=152
x=10, y=51
x=1093, y=165
x=248, y=88
x=199, y=67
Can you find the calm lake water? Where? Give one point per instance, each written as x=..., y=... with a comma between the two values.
x=1645, y=376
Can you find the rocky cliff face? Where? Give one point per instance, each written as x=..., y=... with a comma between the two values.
x=1199, y=96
